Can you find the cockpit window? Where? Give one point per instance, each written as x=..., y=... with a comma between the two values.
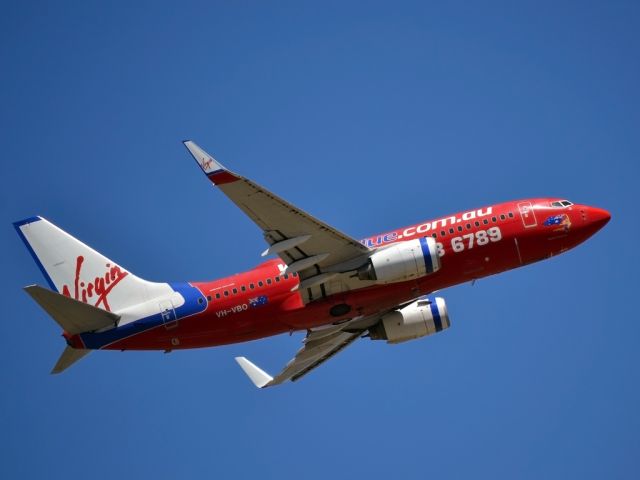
x=561, y=204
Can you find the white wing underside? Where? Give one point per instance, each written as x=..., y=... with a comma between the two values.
x=319, y=345
x=317, y=251
x=279, y=220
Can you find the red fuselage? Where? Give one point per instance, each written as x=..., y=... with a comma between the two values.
x=260, y=302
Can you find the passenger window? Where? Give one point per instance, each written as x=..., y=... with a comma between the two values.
x=208, y=298
x=295, y=274
x=451, y=230
x=477, y=223
x=442, y=233
x=252, y=286
x=286, y=276
x=502, y=217
x=468, y=226
x=235, y=291
x=485, y=221
x=260, y=284
x=434, y=235
x=494, y=219
x=226, y=293
x=243, y=288
x=217, y=295
x=277, y=279
x=268, y=281
x=459, y=228
x=510, y=214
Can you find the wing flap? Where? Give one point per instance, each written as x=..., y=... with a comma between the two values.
x=305, y=367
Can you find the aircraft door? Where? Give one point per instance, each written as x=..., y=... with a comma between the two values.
x=168, y=312
x=527, y=214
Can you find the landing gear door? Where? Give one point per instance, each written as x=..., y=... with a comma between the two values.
x=168, y=313
x=528, y=215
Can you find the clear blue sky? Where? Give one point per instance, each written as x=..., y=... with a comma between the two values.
x=370, y=116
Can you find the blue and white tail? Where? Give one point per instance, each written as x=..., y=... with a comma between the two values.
x=77, y=271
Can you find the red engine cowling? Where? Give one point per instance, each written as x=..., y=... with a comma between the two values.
x=421, y=318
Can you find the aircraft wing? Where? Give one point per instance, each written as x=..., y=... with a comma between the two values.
x=319, y=345
x=304, y=243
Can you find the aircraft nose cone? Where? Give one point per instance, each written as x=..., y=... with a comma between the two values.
x=598, y=217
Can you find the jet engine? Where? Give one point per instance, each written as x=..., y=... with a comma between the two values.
x=402, y=261
x=422, y=317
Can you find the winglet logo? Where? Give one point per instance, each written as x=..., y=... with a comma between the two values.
x=206, y=164
x=100, y=287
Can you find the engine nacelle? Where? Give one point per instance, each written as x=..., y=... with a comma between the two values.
x=402, y=261
x=416, y=320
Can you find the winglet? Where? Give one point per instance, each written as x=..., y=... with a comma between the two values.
x=209, y=165
x=259, y=377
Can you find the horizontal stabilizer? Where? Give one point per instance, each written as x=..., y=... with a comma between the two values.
x=259, y=377
x=68, y=358
x=72, y=315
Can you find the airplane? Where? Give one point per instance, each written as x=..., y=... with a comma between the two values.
x=320, y=280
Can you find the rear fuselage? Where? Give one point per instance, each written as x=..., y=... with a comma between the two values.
x=263, y=302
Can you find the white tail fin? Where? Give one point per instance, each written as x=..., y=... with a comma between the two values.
x=77, y=271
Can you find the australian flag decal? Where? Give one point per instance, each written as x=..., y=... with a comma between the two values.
x=562, y=221
x=555, y=220
x=258, y=301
